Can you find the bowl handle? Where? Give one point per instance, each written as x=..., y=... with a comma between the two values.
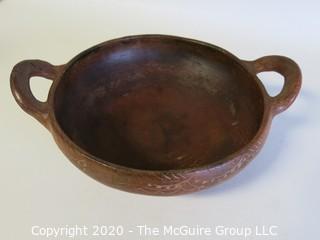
x=292, y=79
x=20, y=86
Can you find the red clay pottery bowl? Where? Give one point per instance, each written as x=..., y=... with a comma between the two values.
x=156, y=114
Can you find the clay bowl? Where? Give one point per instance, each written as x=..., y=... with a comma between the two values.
x=155, y=114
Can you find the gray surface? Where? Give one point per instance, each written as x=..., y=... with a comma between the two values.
x=280, y=187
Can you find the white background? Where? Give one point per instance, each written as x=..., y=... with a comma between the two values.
x=39, y=186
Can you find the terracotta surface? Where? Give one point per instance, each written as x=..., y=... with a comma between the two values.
x=155, y=114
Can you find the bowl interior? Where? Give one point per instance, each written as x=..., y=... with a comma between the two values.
x=158, y=103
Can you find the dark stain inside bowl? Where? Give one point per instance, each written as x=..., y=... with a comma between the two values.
x=157, y=105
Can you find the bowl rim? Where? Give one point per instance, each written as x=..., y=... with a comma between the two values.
x=257, y=139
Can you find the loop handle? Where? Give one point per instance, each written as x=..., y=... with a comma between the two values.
x=292, y=79
x=20, y=86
